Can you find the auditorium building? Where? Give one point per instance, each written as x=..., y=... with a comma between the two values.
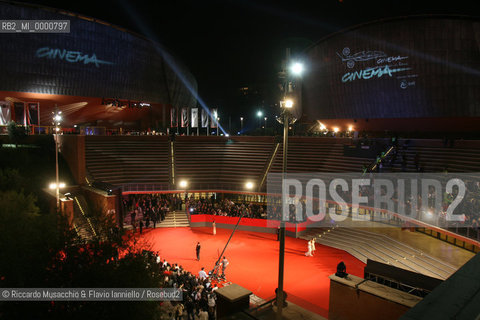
x=98, y=74
x=417, y=73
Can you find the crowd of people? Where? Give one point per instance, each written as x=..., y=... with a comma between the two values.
x=430, y=207
x=199, y=291
x=226, y=207
x=149, y=209
x=146, y=210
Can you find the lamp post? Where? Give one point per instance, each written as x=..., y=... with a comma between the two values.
x=241, y=125
x=265, y=125
x=287, y=104
x=57, y=118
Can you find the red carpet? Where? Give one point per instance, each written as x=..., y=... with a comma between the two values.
x=254, y=261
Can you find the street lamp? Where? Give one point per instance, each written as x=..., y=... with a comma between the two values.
x=265, y=125
x=241, y=125
x=295, y=69
x=184, y=184
x=53, y=185
x=287, y=105
x=57, y=118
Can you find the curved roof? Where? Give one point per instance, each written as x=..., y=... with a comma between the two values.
x=96, y=59
x=391, y=19
x=425, y=66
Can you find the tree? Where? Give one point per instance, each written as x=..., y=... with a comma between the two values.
x=40, y=250
x=15, y=133
x=10, y=179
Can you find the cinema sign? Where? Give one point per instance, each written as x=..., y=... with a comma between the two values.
x=69, y=56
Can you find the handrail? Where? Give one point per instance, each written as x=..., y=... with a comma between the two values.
x=76, y=229
x=372, y=166
x=83, y=213
x=269, y=165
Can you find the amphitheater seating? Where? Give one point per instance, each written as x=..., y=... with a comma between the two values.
x=367, y=245
x=221, y=162
x=435, y=158
x=128, y=159
x=213, y=162
x=317, y=155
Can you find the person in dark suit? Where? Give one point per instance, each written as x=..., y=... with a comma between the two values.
x=132, y=218
x=163, y=213
x=147, y=222
x=154, y=218
x=197, y=249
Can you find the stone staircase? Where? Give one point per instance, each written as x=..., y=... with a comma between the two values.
x=174, y=219
x=367, y=245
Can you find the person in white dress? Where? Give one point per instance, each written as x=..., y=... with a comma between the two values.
x=309, y=252
x=313, y=246
x=214, y=227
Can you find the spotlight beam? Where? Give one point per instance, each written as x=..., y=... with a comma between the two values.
x=137, y=20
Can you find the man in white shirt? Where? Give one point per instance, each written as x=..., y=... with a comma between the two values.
x=202, y=274
x=224, y=265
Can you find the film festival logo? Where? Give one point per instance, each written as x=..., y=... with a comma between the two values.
x=70, y=56
x=381, y=65
x=376, y=199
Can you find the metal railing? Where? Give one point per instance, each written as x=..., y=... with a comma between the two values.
x=269, y=165
x=86, y=218
x=373, y=166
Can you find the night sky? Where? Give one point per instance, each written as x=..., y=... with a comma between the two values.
x=231, y=44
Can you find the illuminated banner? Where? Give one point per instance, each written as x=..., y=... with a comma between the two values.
x=386, y=70
x=5, y=113
x=185, y=120
x=69, y=56
x=204, y=118
x=173, y=117
x=375, y=65
x=194, y=117
x=214, y=122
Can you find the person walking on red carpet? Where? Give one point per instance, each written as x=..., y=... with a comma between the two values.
x=202, y=275
x=313, y=246
x=214, y=227
x=309, y=252
x=197, y=250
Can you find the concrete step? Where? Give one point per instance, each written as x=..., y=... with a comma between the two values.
x=174, y=219
x=366, y=245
